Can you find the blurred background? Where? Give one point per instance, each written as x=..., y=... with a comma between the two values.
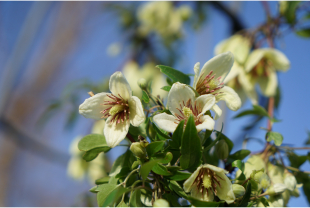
x=53, y=53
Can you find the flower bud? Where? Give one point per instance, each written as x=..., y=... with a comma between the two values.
x=222, y=150
x=161, y=203
x=290, y=181
x=238, y=190
x=264, y=181
x=142, y=83
x=138, y=150
x=277, y=188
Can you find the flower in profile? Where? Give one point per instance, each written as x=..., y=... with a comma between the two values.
x=207, y=181
x=119, y=107
x=182, y=103
x=210, y=80
x=261, y=67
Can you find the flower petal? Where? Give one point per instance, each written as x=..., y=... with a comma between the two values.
x=115, y=133
x=205, y=102
x=253, y=59
x=207, y=123
x=187, y=185
x=248, y=88
x=231, y=98
x=218, y=112
x=225, y=192
x=235, y=71
x=268, y=85
x=202, y=196
x=220, y=65
x=178, y=94
x=165, y=121
x=214, y=168
x=119, y=86
x=92, y=106
x=196, y=70
x=278, y=59
x=136, y=115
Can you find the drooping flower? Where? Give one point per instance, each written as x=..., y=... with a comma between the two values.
x=207, y=181
x=182, y=103
x=261, y=67
x=210, y=80
x=119, y=107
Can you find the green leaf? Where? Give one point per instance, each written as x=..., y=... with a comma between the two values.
x=147, y=167
x=169, y=81
x=239, y=164
x=179, y=176
x=124, y=172
x=135, y=199
x=92, y=154
x=290, y=13
x=172, y=199
x=166, y=88
x=297, y=160
x=104, y=191
x=206, y=137
x=154, y=147
x=197, y=203
x=163, y=157
x=160, y=133
x=177, y=134
x=114, y=196
x=305, y=32
x=125, y=160
x=93, y=141
x=228, y=141
x=239, y=155
x=161, y=170
x=191, y=147
x=264, y=201
x=274, y=136
x=103, y=180
x=196, y=93
x=246, y=197
x=174, y=75
x=122, y=204
x=257, y=110
x=173, y=185
x=145, y=97
x=94, y=189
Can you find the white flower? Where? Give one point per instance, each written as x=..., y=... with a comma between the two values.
x=120, y=109
x=208, y=180
x=182, y=103
x=210, y=80
x=261, y=67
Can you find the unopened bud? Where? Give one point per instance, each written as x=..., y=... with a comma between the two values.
x=161, y=203
x=142, y=83
x=258, y=176
x=138, y=150
x=238, y=190
x=222, y=150
x=277, y=188
x=290, y=181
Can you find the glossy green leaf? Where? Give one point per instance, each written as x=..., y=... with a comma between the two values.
x=239, y=155
x=122, y=204
x=290, y=13
x=114, y=196
x=154, y=147
x=163, y=157
x=174, y=75
x=92, y=154
x=179, y=176
x=93, y=141
x=161, y=170
x=197, y=203
x=94, y=189
x=173, y=185
x=246, y=197
x=147, y=167
x=228, y=141
x=169, y=81
x=145, y=97
x=166, y=88
x=274, y=136
x=305, y=32
x=239, y=164
x=297, y=160
x=103, y=180
x=135, y=199
x=191, y=151
x=177, y=135
x=125, y=160
x=264, y=201
x=104, y=191
x=172, y=198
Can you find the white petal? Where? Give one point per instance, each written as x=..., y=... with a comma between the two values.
x=166, y=122
x=202, y=196
x=278, y=59
x=235, y=71
x=115, y=133
x=214, y=168
x=248, y=88
x=205, y=102
x=225, y=192
x=207, y=123
x=119, y=86
x=231, y=98
x=268, y=85
x=92, y=106
x=187, y=185
x=136, y=115
x=178, y=94
x=220, y=65
x=218, y=112
x=196, y=70
x=253, y=59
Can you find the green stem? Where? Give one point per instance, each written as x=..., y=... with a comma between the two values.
x=126, y=179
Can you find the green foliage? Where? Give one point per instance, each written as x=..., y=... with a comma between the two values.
x=166, y=88
x=109, y=193
x=257, y=110
x=239, y=155
x=305, y=32
x=290, y=12
x=154, y=147
x=274, y=136
x=191, y=147
x=197, y=203
x=174, y=75
x=147, y=167
x=173, y=185
x=145, y=97
x=246, y=197
x=160, y=133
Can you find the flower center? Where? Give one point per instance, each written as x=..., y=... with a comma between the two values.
x=262, y=68
x=206, y=181
x=209, y=84
x=116, y=109
x=187, y=111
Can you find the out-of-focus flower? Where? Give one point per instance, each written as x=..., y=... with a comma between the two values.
x=210, y=80
x=161, y=203
x=254, y=163
x=182, y=103
x=261, y=67
x=114, y=49
x=207, y=181
x=238, y=190
x=134, y=73
x=162, y=18
x=119, y=107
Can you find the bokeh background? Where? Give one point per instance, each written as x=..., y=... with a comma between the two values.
x=47, y=48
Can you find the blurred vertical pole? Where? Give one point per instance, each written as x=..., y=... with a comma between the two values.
x=12, y=67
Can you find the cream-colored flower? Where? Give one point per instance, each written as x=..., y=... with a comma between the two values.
x=149, y=72
x=119, y=107
x=210, y=80
x=182, y=103
x=261, y=67
x=207, y=181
